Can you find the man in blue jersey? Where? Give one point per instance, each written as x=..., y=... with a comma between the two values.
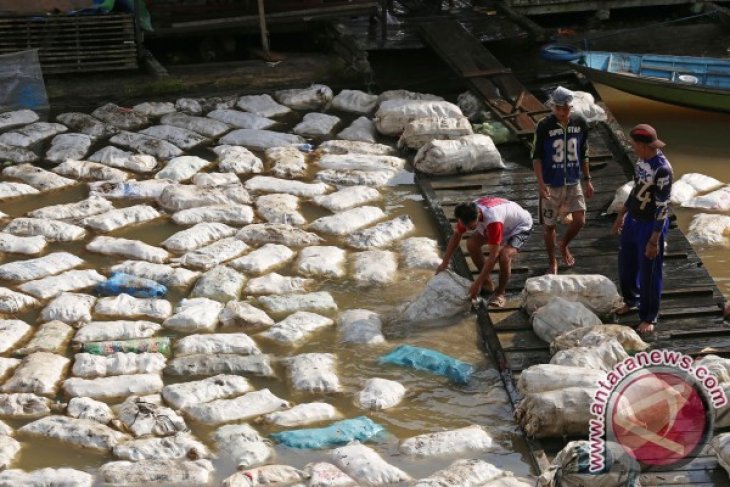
x=643, y=222
x=560, y=161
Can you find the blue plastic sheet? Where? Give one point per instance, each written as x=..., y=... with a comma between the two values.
x=429, y=360
x=340, y=433
x=21, y=82
x=138, y=287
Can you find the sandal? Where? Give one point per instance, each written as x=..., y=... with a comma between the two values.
x=498, y=301
x=625, y=309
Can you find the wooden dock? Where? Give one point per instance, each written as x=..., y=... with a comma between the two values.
x=691, y=312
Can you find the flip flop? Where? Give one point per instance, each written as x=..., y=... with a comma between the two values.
x=498, y=301
x=625, y=309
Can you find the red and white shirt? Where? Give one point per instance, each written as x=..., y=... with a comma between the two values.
x=500, y=220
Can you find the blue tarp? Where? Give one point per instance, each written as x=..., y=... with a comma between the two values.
x=138, y=287
x=340, y=433
x=429, y=360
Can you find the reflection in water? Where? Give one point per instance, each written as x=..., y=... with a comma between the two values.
x=697, y=141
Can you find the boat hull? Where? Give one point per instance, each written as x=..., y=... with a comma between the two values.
x=683, y=95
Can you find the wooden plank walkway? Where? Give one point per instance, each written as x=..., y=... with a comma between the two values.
x=691, y=312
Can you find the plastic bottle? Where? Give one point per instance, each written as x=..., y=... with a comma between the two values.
x=138, y=287
x=306, y=148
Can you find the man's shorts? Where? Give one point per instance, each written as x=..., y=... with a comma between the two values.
x=563, y=200
x=519, y=239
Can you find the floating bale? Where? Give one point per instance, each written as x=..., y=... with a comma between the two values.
x=428, y=360
x=339, y=433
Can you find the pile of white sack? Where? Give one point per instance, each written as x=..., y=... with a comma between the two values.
x=209, y=324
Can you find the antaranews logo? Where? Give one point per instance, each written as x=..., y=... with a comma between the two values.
x=658, y=406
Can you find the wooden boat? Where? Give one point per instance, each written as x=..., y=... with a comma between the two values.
x=695, y=82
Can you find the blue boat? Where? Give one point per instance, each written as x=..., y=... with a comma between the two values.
x=696, y=82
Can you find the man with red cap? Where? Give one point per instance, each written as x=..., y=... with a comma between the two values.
x=643, y=222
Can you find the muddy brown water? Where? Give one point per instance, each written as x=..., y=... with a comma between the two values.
x=433, y=403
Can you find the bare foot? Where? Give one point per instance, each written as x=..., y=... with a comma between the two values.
x=498, y=301
x=645, y=328
x=567, y=256
x=552, y=267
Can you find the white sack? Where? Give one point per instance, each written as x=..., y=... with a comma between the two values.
x=214, y=254
x=17, y=118
x=99, y=331
x=130, y=249
x=360, y=326
x=194, y=315
x=362, y=162
x=54, y=231
x=24, y=406
x=39, y=373
x=77, y=432
x=321, y=301
x=31, y=134
x=421, y=131
x=374, y=267
x=176, y=447
x=362, y=129
x=280, y=208
x=123, y=217
x=593, y=336
x=326, y=261
x=216, y=343
x=314, y=372
x=11, y=333
x=87, y=408
x=380, y=393
x=56, y=477
x=191, y=365
x=52, y=337
x=303, y=414
x=182, y=168
x=348, y=221
x=202, y=125
x=114, y=157
x=36, y=177
x=393, y=116
x=718, y=200
x=230, y=214
x=238, y=160
x=549, y=377
x=420, y=253
x=221, y=283
x=13, y=302
x=354, y=101
x=266, y=184
x=152, y=146
x=558, y=413
x=266, y=475
x=595, y=291
x=366, y=466
x=119, y=386
x=316, y=125
x=296, y=327
x=129, y=306
x=50, y=287
x=89, y=171
x=242, y=444
x=323, y=474
x=314, y=97
x=347, y=198
x=242, y=314
x=470, y=153
x=603, y=357
x=247, y=406
x=130, y=189
x=356, y=177
x=120, y=117
x=186, y=394
x=182, y=197
x=88, y=365
x=383, y=234
x=180, y=137
x=48, y=265
x=154, y=109
x=709, y=230
x=559, y=316
x=144, y=418
x=215, y=179
x=259, y=140
x=157, y=472
x=454, y=442
x=241, y=120
x=264, y=259
x=622, y=194
x=274, y=283
x=164, y=274
x=10, y=190
x=277, y=233
x=68, y=146
x=262, y=105
x=13, y=244
x=72, y=212
x=407, y=95
x=198, y=236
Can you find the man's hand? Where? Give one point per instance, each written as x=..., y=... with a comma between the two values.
x=475, y=289
x=618, y=224
x=544, y=191
x=652, y=250
x=442, y=267
x=589, y=189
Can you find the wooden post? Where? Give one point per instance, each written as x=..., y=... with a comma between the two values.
x=262, y=28
x=138, y=35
